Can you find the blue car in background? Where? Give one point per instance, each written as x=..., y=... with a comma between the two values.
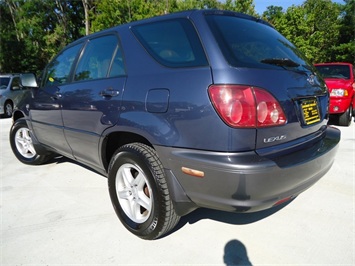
x=202, y=108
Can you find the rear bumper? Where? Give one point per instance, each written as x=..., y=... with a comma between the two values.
x=245, y=182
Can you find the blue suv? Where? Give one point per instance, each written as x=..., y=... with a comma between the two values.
x=203, y=108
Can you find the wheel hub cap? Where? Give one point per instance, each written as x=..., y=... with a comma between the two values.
x=23, y=142
x=133, y=192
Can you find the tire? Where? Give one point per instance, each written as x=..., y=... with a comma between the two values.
x=22, y=146
x=345, y=118
x=8, y=108
x=139, y=192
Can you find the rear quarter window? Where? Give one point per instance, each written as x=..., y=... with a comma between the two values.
x=173, y=43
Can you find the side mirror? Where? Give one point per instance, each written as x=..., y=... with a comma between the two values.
x=29, y=80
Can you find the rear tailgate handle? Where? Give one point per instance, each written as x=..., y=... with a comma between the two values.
x=110, y=92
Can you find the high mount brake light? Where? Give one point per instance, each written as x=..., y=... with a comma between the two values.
x=245, y=106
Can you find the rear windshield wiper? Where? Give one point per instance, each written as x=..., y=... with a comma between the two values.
x=284, y=62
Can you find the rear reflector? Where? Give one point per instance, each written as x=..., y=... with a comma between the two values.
x=192, y=172
x=283, y=201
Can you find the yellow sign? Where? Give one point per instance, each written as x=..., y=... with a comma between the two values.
x=310, y=111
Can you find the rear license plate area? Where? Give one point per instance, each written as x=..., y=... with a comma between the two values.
x=310, y=111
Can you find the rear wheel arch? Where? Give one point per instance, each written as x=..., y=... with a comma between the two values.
x=117, y=139
x=17, y=115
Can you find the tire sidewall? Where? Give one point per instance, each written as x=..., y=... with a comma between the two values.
x=127, y=155
x=345, y=118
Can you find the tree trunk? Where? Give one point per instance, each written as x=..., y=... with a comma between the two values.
x=87, y=21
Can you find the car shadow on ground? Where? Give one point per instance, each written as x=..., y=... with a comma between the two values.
x=333, y=121
x=227, y=217
x=59, y=159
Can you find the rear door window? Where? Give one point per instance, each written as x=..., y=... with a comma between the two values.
x=173, y=43
x=97, y=60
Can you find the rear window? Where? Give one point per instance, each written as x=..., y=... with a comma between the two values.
x=248, y=43
x=334, y=71
x=173, y=43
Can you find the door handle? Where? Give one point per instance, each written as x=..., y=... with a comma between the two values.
x=110, y=92
x=57, y=96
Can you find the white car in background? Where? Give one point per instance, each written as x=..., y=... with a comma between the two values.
x=11, y=91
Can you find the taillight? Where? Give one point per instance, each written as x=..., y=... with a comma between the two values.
x=245, y=106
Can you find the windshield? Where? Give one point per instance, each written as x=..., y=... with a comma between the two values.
x=248, y=43
x=334, y=71
x=4, y=82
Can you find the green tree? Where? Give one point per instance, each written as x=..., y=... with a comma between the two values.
x=109, y=13
x=35, y=31
x=243, y=6
x=272, y=14
x=323, y=26
x=294, y=27
x=345, y=48
x=32, y=32
x=180, y=5
x=9, y=44
x=313, y=27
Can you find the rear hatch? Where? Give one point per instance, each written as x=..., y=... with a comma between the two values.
x=262, y=61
